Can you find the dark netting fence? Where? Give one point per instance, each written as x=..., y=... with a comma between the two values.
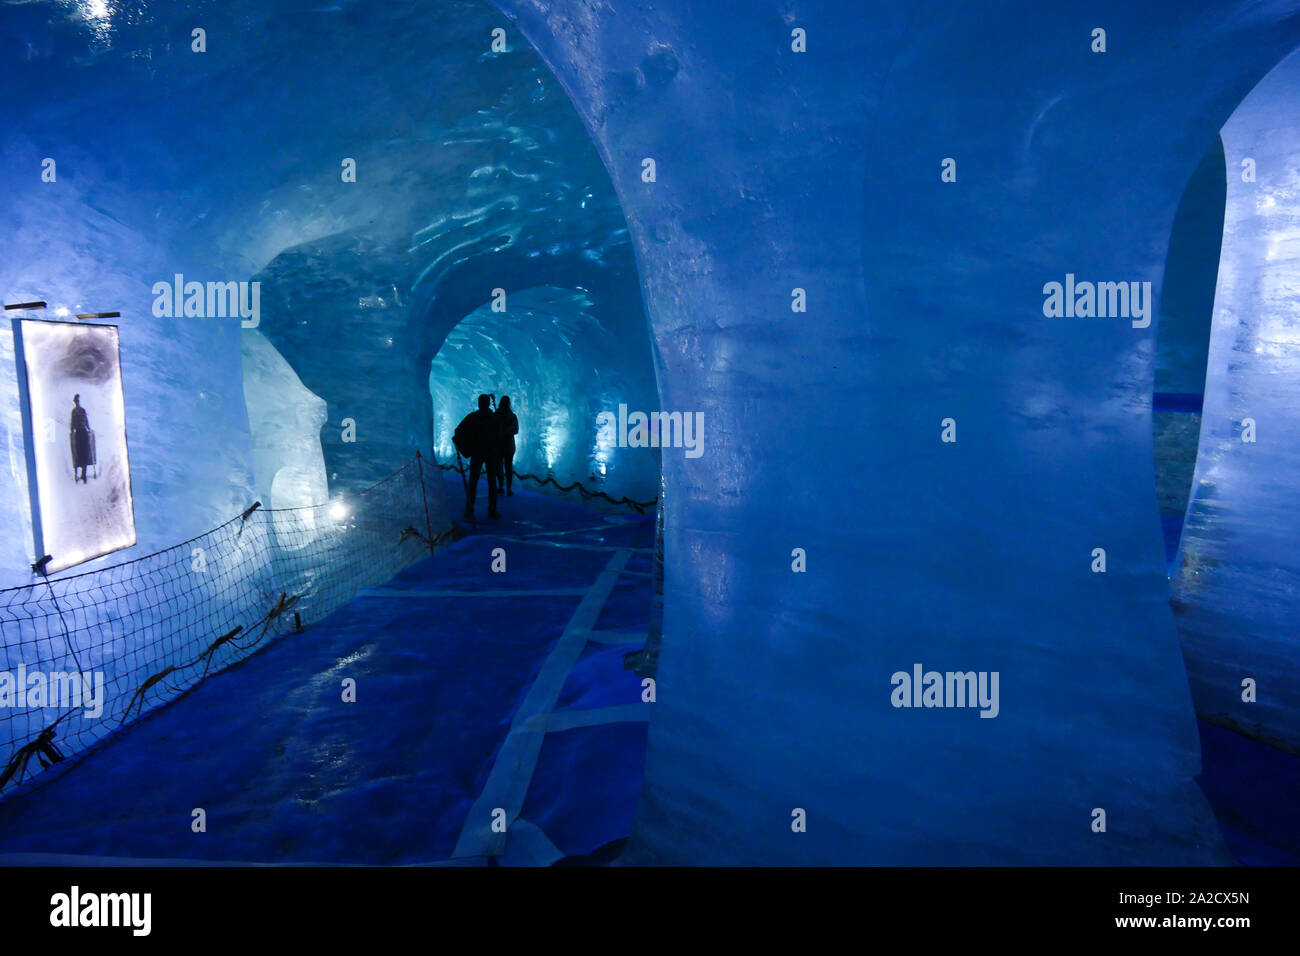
x=88, y=653
x=585, y=494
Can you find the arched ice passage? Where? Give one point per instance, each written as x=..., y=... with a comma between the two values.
x=512, y=198
x=561, y=368
x=472, y=172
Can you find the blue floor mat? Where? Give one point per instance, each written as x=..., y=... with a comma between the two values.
x=580, y=822
x=599, y=679
x=285, y=771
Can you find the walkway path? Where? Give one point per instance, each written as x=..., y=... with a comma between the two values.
x=475, y=691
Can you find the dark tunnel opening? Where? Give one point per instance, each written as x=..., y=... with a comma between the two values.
x=1183, y=338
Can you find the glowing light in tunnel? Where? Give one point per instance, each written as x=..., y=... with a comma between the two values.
x=338, y=511
x=605, y=443
x=555, y=434
x=550, y=447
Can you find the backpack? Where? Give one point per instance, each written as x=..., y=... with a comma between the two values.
x=465, y=437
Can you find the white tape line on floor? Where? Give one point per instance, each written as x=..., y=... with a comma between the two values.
x=507, y=783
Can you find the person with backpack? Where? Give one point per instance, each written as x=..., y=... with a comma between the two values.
x=476, y=438
x=507, y=428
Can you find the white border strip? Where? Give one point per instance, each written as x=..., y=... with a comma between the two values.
x=507, y=783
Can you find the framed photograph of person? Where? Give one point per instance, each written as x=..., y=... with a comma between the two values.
x=74, y=419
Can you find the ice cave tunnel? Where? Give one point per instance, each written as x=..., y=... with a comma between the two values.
x=819, y=234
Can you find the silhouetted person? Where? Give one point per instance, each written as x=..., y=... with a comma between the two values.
x=83, y=444
x=507, y=428
x=476, y=438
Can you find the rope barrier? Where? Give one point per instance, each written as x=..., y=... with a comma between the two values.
x=141, y=633
x=42, y=748
x=587, y=493
x=138, y=631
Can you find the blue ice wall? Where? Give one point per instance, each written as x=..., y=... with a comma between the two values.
x=122, y=115
x=1237, y=582
x=284, y=420
x=562, y=368
x=821, y=171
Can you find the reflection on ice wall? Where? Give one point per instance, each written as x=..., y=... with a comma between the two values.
x=1237, y=581
x=561, y=368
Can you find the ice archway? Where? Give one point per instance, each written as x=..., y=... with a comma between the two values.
x=924, y=303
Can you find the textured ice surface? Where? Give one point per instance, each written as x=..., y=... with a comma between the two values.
x=1237, y=583
x=284, y=419
x=924, y=302
x=489, y=183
